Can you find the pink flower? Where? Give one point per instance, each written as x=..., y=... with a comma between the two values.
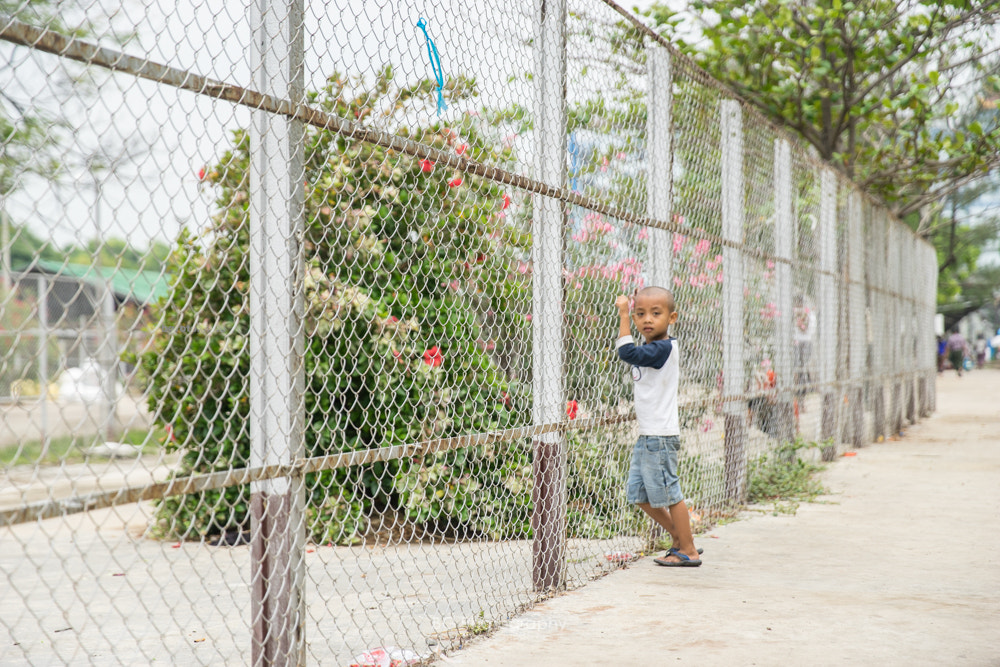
x=770, y=264
x=433, y=357
x=707, y=425
x=604, y=164
x=718, y=259
x=678, y=282
x=678, y=242
x=702, y=247
x=571, y=409
x=643, y=234
x=718, y=277
x=426, y=166
x=769, y=311
x=528, y=317
x=523, y=268
x=620, y=155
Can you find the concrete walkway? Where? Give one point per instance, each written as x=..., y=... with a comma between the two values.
x=899, y=565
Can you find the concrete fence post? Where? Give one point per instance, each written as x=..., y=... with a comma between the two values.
x=659, y=165
x=828, y=311
x=276, y=344
x=733, y=371
x=548, y=519
x=783, y=249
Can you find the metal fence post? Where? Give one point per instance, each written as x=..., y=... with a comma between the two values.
x=930, y=301
x=733, y=371
x=894, y=339
x=659, y=165
x=910, y=336
x=783, y=240
x=856, y=317
x=876, y=276
x=549, y=491
x=828, y=303
x=276, y=344
x=43, y=361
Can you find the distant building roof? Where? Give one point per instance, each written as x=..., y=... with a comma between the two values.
x=142, y=287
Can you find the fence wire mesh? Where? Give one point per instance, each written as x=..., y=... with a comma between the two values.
x=306, y=318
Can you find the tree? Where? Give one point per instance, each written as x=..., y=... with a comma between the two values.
x=874, y=86
x=900, y=94
x=30, y=128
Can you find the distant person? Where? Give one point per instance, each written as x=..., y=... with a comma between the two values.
x=957, y=349
x=653, y=483
x=942, y=351
x=980, y=348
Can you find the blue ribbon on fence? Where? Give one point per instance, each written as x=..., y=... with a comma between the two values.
x=432, y=55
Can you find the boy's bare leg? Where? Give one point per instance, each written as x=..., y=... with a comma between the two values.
x=661, y=515
x=683, y=540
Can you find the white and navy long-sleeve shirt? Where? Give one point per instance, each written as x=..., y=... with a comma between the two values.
x=656, y=372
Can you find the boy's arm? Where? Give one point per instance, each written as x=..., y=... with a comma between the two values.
x=650, y=355
x=625, y=326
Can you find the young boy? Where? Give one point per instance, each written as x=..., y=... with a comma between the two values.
x=652, y=482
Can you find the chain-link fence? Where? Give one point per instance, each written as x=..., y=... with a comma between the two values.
x=307, y=317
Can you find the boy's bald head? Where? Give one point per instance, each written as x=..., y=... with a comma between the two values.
x=658, y=294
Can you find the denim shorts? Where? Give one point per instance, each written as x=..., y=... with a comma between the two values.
x=652, y=477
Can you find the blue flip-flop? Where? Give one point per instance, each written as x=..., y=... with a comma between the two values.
x=685, y=560
x=674, y=550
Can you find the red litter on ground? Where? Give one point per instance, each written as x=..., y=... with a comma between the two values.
x=388, y=656
x=619, y=556
x=849, y=454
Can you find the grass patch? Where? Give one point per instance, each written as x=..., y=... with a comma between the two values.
x=72, y=448
x=785, y=480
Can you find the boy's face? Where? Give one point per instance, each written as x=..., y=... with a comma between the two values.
x=652, y=316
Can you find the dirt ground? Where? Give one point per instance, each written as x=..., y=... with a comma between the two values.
x=898, y=565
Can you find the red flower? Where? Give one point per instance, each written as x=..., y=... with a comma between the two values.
x=426, y=166
x=461, y=149
x=433, y=357
x=455, y=182
x=506, y=201
x=201, y=174
x=506, y=399
x=571, y=408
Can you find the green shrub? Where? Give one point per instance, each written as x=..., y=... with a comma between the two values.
x=412, y=330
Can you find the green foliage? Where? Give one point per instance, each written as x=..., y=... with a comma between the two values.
x=597, y=471
x=782, y=475
x=412, y=332
x=863, y=85
x=902, y=94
